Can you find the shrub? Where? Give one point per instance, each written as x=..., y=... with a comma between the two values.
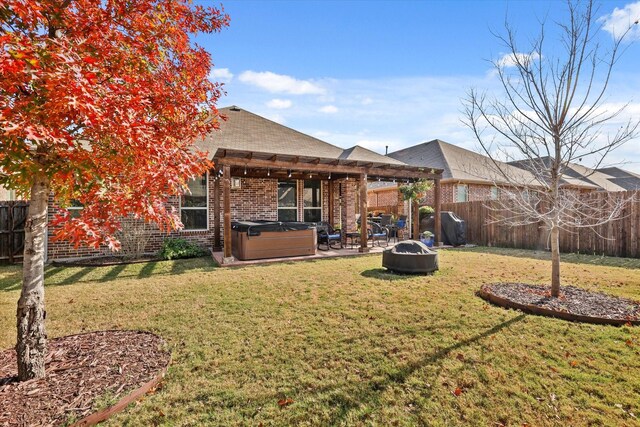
x=425, y=211
x=180, y=248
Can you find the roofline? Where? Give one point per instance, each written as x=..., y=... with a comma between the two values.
x=263, y=160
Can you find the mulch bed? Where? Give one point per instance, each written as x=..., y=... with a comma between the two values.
x=103, y=261
x=80, y=371
x=573, y=303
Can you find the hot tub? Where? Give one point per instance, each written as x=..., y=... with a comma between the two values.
x=270, y=239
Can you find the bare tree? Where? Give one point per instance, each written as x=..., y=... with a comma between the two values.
x=552, y=113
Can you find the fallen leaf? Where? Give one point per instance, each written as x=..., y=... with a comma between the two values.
x=629, y=343
x=574, y=363
x=285, y=402
x=457, y=392
x=460, y=357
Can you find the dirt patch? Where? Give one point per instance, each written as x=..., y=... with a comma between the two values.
x=572, y=304
x=103, y=261
x=85, y=373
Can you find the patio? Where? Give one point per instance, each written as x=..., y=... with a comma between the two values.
x=347, y=251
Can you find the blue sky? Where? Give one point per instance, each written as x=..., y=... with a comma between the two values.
x=378, y=73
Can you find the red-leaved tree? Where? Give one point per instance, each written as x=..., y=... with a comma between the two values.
x=100, y=102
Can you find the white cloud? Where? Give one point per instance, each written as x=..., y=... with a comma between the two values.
x=618, y=21
x=222, y=75
x=279, y=104
x=279, y=83
x=329, y=109
x=366, y=101
x=510, y=59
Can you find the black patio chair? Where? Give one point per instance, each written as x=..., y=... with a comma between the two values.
x=378, y=233
x=328, y=236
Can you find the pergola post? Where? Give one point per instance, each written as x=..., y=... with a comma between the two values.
x=364, y=244
x=331, y=204
x=216, y=216
x=226, y=189
x=415, y=219
x=436, y=201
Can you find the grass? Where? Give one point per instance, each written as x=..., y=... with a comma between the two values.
x=351, y=344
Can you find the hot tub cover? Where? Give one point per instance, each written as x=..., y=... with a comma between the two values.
x=255, y=227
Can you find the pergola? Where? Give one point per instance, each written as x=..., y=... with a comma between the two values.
x=253, y=164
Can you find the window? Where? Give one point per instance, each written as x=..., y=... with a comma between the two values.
x=462, y=194
x=75, y=208
x=194, y=205
x=287, y=201
x=495, y=193
x=312, y=201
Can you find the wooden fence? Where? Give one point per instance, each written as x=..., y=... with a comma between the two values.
x=12, y=219
x=616, y=238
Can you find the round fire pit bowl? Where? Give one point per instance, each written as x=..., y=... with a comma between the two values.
x=410, y=257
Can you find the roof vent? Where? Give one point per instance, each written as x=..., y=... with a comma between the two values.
x=234, y=108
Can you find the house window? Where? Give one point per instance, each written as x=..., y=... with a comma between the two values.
x=312, y=201
x=495, y=193
x=194, y=204
x=75, y=208
x=462, y=193
x=287, y=201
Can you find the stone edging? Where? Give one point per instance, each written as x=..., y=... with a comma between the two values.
x=486, y=295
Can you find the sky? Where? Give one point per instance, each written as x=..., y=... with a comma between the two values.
x=392, y=73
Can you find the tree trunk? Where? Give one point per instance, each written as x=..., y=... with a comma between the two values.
x=555, y=261
x=31, y=345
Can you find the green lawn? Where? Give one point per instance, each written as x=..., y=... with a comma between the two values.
x=353, y=345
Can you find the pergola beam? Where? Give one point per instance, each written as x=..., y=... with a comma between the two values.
x=402, y=172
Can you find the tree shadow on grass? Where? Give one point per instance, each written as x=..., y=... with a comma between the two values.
x=371, y=391
x=384, y=274
x=13, y=281
x=571, y=258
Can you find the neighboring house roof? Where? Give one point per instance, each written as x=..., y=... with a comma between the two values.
x=246, y=131
x=625, y=179
x=606, y=179
x=364, y=154
x=461, y=165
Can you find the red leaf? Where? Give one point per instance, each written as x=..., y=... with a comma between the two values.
x=285, y=402
x=457, y=392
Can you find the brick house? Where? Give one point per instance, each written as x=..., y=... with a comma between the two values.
x=469, y=176
x=267, y=171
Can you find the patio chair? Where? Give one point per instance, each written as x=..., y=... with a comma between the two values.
x=378, y=233
x=328, y=237
x=400, y=227
x=385, y=220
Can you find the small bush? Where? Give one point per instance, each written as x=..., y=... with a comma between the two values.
x=180, y=248
x=425, y=211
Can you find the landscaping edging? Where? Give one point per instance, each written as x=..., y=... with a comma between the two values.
x=486, y=294
x=84, y=373
x=103, y=414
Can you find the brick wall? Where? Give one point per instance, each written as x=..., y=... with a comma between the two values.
x=255, y=199
x=348, y=190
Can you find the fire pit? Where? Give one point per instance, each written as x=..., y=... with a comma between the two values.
x=410, y=257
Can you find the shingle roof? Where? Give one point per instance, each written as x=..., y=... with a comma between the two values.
x=364, y=154
x=460, y=164
x=244, y=130
x=607, y=179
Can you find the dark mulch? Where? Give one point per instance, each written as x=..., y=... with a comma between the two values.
x=98, y=261
x=81, y=370
x=572, y=300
